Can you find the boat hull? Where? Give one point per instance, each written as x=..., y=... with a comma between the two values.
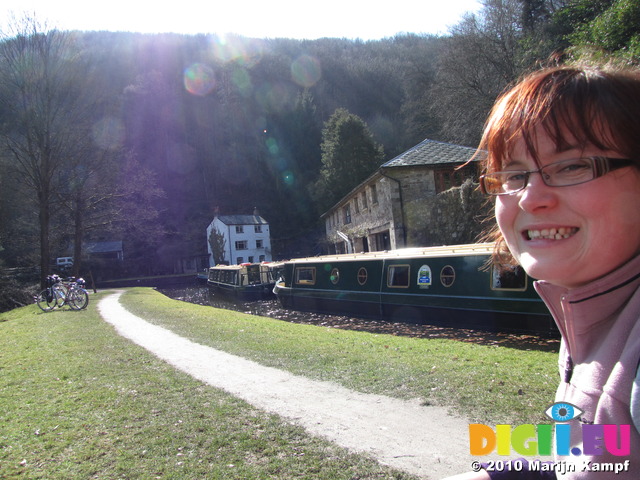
x=445, y=287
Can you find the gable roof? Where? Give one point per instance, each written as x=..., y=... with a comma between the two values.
x=431, y=152
x=242, y=220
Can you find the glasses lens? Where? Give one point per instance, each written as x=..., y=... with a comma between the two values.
x=499, y=183
x=568, y=172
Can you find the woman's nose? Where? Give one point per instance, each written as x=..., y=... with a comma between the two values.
x=537, y=194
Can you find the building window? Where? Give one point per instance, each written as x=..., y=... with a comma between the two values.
x=250, y=259
x=257, y=228
x=347, y=214
x=241, y=245
x=446, y=179
x=364, y=200
x=374, y=194
x=261, y=258
x=239, y=229
x=356, y=205
x=258, y=243
x=239, y=260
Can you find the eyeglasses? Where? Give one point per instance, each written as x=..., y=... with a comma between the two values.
x=569, y=172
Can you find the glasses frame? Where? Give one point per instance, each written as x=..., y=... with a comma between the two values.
x=600, y=166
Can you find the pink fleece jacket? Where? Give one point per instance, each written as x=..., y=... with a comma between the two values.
x=599, y=355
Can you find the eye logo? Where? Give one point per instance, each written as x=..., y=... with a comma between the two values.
x=563, y=412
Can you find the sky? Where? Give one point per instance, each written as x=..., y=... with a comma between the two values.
x=363, y=19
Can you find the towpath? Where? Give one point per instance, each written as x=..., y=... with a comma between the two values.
x=423, y=440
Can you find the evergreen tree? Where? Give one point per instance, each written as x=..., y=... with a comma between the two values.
x=349, y=155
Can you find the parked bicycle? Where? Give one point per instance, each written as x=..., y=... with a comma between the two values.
x=59, y=293
x=77, y=296
x=53, y=296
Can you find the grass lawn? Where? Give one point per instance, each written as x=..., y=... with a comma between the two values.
x=488, y=384
x=78, y=401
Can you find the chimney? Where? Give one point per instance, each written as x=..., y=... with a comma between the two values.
x=255, y=212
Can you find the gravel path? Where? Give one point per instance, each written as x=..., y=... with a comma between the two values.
x=423, y=440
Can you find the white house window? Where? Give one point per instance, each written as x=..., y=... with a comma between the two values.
x=262, y=257
x=241, y=245
x=239, y=229
x=258, y=243
x=250, y=259
x=257, y=228
x=240, y=260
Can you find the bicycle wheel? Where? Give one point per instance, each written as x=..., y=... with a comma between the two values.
x=78, y=298
x=46, y=300
x=61, y=293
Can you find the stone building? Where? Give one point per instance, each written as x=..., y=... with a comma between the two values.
x=418, y=198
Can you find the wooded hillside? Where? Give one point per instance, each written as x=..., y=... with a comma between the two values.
x=140, y=137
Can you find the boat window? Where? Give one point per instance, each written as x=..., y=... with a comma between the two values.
x=335, y=275
x=362, y=276
x=398, y=276
x=510, y=278
x=447, y=275
x=306, y=275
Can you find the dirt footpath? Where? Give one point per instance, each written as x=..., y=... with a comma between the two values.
x=422, y=440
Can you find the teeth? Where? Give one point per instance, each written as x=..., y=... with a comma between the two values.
x=552, y=233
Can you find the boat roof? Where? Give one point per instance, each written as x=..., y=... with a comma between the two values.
x=441, y=251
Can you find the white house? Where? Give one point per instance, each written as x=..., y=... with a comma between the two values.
x=238, y=239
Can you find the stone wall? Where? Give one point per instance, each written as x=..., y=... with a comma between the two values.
x=458, y=215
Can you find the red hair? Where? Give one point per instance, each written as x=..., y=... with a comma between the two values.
x=576, y=106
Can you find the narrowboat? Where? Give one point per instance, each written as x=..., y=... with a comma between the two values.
x=246, y=281
x=448, y=286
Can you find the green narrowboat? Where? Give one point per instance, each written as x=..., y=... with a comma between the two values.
x=247, y=281
x=449, y=286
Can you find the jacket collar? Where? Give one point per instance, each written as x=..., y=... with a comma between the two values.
x=584, y=312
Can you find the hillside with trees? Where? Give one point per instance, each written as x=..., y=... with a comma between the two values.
x=141, y=137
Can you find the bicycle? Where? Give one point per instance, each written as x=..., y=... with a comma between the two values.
x=53, y=296
x=77, y=297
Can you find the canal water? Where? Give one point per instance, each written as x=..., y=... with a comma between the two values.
x=202, y=295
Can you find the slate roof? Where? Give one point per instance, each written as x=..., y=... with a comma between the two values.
x=103, y=247
x=431, y=152
x=242, y=220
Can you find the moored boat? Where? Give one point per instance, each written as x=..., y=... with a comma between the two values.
x=246, y=281
x=450, y=285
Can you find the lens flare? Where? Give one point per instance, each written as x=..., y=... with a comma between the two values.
x=306, y=71
x=199, y=79
x=232, y=48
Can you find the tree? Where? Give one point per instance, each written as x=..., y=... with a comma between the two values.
x=217, y=243
x=483, y=54
x=42, y=80
x=349, y=155
x=612, y=29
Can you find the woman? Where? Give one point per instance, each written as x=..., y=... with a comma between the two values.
x=564, y=168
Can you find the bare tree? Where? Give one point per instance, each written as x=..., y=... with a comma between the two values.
x=45, y=112
x=482, y=56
